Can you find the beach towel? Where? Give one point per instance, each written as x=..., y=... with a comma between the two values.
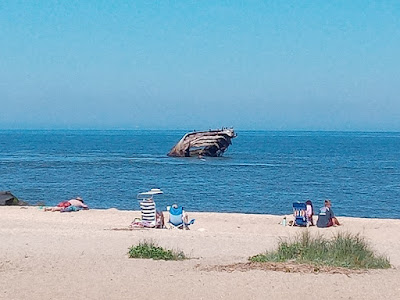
x=71, y=208
x=64, y=204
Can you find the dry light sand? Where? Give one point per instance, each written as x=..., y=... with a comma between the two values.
x=52, y=255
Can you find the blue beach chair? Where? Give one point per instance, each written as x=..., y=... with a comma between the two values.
x=300, y=214
x=176, y=218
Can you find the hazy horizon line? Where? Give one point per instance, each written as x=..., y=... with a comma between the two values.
x=189, y=130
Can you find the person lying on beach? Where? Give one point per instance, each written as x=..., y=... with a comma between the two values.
x=326, y=217
x=76, y=202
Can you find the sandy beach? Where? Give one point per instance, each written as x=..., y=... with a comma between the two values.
x=52, y=255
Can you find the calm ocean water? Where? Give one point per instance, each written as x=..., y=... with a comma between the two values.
x=262, y=171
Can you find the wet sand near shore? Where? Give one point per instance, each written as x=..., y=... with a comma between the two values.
x=78, y=255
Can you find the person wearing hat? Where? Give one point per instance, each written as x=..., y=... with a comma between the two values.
x=76, y=202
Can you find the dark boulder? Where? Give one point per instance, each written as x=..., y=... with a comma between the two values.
x=6, y=198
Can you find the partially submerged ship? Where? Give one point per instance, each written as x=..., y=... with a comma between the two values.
x=203, y=143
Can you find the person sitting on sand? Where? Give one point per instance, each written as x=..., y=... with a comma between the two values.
x=76, y=202
x=326, y=217
x=309, y=213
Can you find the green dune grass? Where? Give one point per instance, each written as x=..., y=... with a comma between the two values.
x=149, y=249
x=343, y=250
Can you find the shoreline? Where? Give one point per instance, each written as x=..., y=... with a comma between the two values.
x=212, y=212
x=42, y=251
x=219, y=212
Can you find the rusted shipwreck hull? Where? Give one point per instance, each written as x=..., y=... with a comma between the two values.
x=203, y=143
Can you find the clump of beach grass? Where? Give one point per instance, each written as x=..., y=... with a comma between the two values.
x=344, y=250
x=149, y=249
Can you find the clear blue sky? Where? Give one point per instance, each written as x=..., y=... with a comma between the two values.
x=273, y=65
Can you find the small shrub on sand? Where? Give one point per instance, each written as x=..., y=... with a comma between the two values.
x=149, y=249
x=343, y=250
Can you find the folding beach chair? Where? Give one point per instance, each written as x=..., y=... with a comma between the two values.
x=176, y=218
x=148, y=209
x=300, y=214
